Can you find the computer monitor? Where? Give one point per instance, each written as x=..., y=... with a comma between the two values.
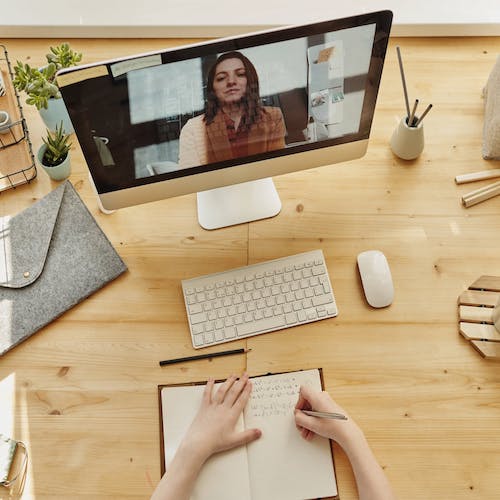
x=220, y=118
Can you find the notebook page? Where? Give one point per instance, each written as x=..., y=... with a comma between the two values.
x=223, y=474
x=282, y=465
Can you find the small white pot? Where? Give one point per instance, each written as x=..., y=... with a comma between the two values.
x=59, y=172
x=407, y=142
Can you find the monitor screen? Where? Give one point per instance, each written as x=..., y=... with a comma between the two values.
x=228, y=111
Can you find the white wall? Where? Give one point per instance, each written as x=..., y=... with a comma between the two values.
x=200, y=18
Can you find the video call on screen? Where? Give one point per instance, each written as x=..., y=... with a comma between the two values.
x=129, y=123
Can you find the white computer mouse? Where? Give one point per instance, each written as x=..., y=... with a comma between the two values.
x=376, y=278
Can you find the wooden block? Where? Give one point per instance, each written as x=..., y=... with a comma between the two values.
x=478, y=331
x=476, y=314
x=491, y=283
x=489, y=350
x=478, y=298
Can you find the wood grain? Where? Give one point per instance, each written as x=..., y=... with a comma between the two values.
x=82, y=393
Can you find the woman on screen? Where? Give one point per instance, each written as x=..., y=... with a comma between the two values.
x=235, y=123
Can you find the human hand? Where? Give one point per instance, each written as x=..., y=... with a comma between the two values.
x=342, y=431
x=213, y=428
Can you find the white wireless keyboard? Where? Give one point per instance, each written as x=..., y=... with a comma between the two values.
x=259, y=298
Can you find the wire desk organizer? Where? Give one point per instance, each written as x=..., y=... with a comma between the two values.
x=17, y=162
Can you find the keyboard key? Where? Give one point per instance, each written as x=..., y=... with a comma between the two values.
x=198, y=329
x=195, y=309
x=230, y=332
x=198, y=318
x=301, y=315
x=259, y=326
x=311, y=314
x=307, y=303
x=317, y=270
x=331, y=309
x=321, y=300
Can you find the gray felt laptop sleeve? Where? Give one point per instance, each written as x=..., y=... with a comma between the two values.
x=52, y=256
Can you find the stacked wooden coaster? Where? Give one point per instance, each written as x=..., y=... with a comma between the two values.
x=478, y=312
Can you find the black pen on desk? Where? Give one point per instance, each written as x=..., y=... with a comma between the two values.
x=204, y=356
x=324, y=414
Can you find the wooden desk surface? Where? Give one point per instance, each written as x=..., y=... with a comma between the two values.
x=82, y=393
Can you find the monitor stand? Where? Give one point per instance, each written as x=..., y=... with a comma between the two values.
x=239, y=203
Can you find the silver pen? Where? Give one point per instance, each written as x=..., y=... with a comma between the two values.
x=324, y=414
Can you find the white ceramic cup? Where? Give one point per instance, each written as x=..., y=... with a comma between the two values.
x=407, y=142
x=4, y=122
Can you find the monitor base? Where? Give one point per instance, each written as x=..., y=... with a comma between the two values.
x=239, y=203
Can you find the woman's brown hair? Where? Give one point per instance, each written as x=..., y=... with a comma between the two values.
x=251, y=100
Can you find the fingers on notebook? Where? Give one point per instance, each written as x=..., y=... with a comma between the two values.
x=207, y=393
x=235, y=391
x=243, y=398
x=221, y=392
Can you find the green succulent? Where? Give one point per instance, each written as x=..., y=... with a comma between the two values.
x=39, y=83
x=57, y=146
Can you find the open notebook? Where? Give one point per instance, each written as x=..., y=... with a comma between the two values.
x=281, y=465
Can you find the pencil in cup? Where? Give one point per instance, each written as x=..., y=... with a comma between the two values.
x=419, y=121
x=412, y=120
x=403, y=80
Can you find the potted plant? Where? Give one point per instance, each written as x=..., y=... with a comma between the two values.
x=53, y=154
x=41, y=86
